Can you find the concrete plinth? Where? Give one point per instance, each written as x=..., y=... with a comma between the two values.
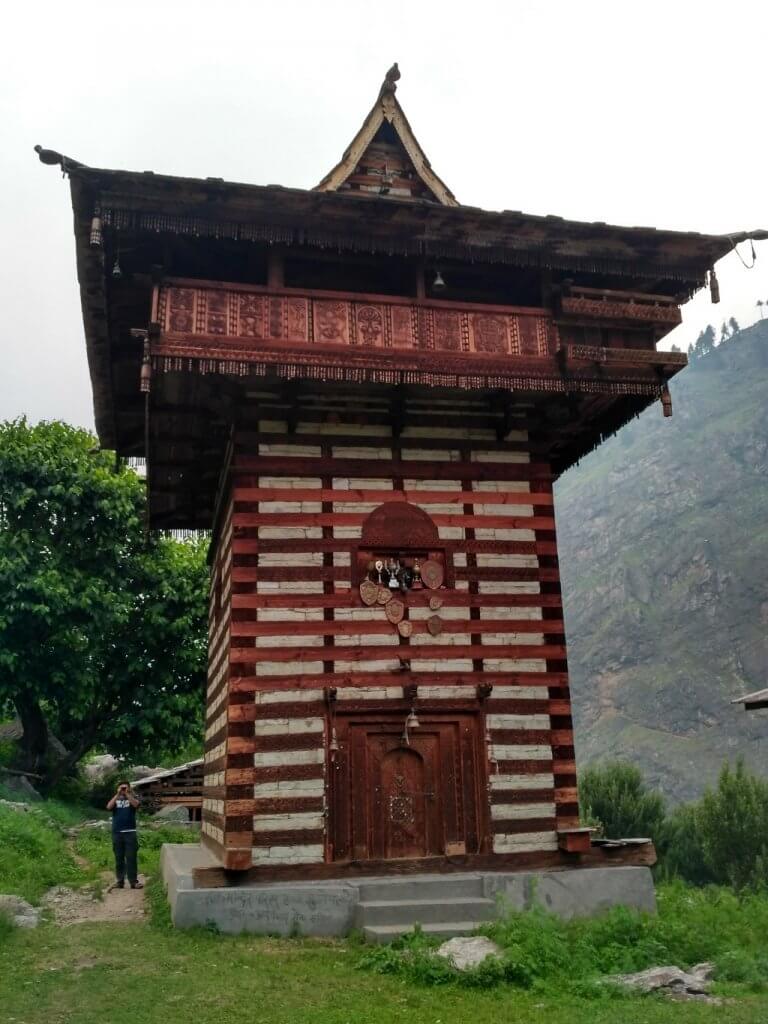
x=387, y=906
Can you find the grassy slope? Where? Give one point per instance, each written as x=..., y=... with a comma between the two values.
x=146, y=972
x=664, y=552
x=140, y=975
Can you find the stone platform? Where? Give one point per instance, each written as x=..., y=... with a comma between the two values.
x=385, y=907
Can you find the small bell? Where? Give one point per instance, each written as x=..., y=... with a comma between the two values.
x=666, y=401
x=438, y=285
x=145, y=378
x=117, y=272
x=714, y=287
x=412, y=721
x=96, y=235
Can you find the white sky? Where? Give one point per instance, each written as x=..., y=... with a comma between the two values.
x=649, y=114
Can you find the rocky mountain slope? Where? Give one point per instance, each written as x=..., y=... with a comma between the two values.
x=664, y=558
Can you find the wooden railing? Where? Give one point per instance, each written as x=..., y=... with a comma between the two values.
x=247, y=316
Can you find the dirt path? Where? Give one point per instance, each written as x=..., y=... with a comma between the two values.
x=74, y=906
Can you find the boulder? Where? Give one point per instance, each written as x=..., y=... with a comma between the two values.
x=464, y=953
x=100, y=766
x=672, y=981
x=172, y=813
x=23, y=914
x=19, y=786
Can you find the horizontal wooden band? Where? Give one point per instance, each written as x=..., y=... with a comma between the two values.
x=254, y=684
x=412, y=495
x=289, y=837
x=293, y=466
x=310, y=519
x=382, y=626
x=516, y=827
x=426, y=652
x=417, y=599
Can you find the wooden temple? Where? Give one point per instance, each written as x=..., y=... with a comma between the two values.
x=366, y=392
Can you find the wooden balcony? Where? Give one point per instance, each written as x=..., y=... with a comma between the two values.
x=240, y=321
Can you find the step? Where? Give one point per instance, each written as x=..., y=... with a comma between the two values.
x=381, y=933
x=426, y=911
x=421, y=887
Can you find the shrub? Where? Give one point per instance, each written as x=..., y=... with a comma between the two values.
x=732, y=821
x=682, y=848
x=541, y=950
x=615, y=795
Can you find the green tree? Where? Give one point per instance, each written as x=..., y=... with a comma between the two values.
x=102, y=630
x=733, y=325
x=682, y=847
x=614, y=795
x=732, y=821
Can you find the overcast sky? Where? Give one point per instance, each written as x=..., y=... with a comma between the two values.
x=650, y=114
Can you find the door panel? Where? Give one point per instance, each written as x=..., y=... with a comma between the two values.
x=393, y=799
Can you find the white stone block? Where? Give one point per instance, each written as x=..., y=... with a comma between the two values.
x=522, y=812
x=525, y=842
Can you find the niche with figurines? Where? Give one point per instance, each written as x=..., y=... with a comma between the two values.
x=400, y=554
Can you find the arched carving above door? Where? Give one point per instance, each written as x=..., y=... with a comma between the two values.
x=400, y=535
x=399, y=524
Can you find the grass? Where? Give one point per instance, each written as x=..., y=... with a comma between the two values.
x=139, y=974
x=34, y=854
x=541, y=951
x=147, y=972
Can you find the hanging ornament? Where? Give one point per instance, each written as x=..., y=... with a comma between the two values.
x=369, y=592
x=395, y=610
x=435, y=602
x=96, y=237
x=432, y=574
x=405, y=628
x=714, y=287
x=666, y=401
x=435, y=625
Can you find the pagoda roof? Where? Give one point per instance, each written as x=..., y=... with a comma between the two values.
x=386, y=111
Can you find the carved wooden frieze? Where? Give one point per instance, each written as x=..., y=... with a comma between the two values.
x=245, y=316
x=613, y=309
x=625, y=356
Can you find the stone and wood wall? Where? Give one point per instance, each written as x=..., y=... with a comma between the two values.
x=310, y=688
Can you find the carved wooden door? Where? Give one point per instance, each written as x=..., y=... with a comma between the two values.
x=393, y=800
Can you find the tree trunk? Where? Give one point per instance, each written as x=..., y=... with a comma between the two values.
x=33, y=746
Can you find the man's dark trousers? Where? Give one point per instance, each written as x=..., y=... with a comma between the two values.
x=125, y=845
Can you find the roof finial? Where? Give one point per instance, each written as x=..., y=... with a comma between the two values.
x=390, y=80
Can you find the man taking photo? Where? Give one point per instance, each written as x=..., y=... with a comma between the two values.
x=125, y=841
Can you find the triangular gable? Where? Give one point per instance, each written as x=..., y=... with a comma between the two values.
x=385, y=158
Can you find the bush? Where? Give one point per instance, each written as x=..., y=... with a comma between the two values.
x=615, y=795
x=732, y=821
x=541, y=950
x=682, y=848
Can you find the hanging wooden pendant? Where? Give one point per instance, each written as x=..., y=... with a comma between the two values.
x=405, y=628
x=395, y=610
x=369, y=591
x=432, y=573
x=384, y=595
x=435, y=625
x=435, y=603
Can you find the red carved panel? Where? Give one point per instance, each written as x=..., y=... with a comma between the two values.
x=489, y=333
x=611, y=309
x=250, y=315
x=331, y=322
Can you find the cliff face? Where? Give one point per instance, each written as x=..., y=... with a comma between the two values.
x=664, y=556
